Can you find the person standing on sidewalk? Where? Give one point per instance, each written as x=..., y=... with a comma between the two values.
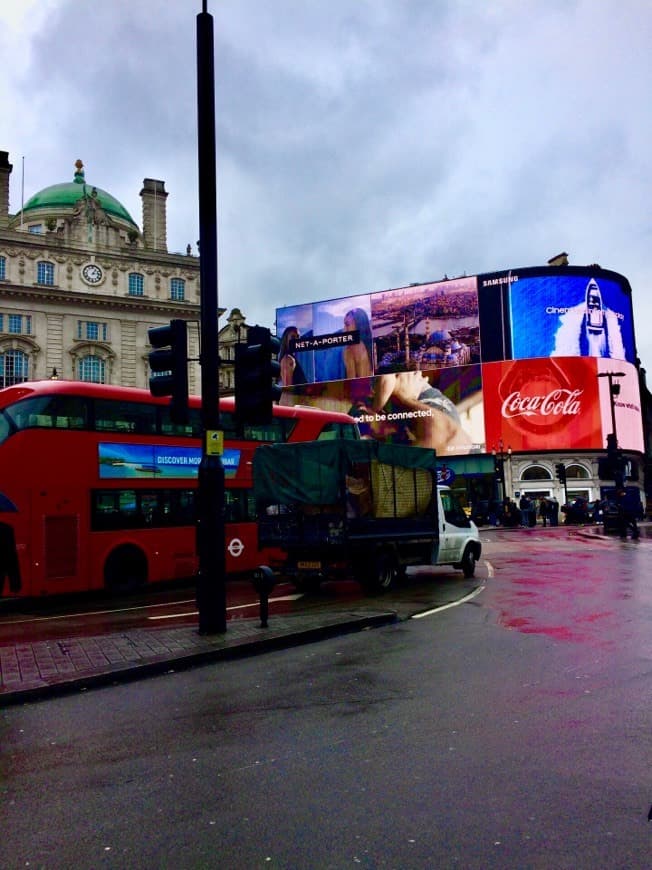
x=544, y=511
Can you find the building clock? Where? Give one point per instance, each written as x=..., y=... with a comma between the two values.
x=92, y=273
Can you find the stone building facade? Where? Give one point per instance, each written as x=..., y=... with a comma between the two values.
x=81, y=283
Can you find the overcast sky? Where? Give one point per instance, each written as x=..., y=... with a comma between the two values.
x=361, y=144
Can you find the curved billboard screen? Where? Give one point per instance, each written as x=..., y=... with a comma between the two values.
x=459, y=365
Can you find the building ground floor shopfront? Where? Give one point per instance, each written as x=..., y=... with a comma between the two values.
x=485, y=479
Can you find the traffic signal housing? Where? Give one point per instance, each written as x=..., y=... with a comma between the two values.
x=256, y=375
x=168, y=365
x=560, y=468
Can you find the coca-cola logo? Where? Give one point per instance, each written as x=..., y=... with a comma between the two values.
x=556, y=403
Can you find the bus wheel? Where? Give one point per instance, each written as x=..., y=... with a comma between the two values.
x=126, y=568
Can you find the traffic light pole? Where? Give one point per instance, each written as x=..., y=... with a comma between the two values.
x=211, y=578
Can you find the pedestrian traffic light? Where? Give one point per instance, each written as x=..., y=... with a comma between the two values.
x=256, y=375
x=560, y=468
x=168, y=364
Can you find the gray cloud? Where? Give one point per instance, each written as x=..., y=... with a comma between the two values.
x=361, y=145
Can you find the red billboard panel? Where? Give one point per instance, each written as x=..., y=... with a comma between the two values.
x=543, y=404
x=624, y=406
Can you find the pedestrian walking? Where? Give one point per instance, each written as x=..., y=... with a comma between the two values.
x=544, y=511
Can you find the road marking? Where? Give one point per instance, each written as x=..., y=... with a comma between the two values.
x=466, y=598
x=294, y=597
x=72, y=615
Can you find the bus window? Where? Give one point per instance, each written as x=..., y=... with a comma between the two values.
x=277, y=431
x=191, y=429
x=6, y=426
x=333, y=431
x=62, y=412
x=114, y=415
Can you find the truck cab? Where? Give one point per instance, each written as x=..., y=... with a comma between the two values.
x=459, y=540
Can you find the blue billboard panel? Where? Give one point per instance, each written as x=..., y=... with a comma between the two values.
x=586, y=314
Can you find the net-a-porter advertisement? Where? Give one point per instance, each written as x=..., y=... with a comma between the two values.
x=460, y=365
x=428, y=326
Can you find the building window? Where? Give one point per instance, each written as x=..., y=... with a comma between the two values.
x=92, y=369
x=136, y=284
x=35, y=228
x=45, y=273
x=20, y=324
x=91, y=330
x=3, y=268
x=578, y=472
x=14, y=367
x=536, y=472
x=177, y=289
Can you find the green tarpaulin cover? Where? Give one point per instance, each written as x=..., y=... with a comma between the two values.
x=316, y=472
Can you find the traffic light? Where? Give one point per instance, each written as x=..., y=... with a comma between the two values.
x=168, y=364
x=560, y=468
x=256, y=373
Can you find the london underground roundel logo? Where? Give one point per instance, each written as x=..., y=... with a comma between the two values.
x=235, y=547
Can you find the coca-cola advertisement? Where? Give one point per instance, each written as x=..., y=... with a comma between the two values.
x=543, y=404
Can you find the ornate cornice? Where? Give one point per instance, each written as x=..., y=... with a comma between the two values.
x=67, y=298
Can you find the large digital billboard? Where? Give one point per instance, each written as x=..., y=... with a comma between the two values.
x=440, y=409
x=564, y=311
x=462, y=365
x=425, y=326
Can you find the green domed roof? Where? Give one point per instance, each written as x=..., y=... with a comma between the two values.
x=66, y=196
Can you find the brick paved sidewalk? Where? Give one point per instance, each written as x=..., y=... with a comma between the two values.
x=39, y=669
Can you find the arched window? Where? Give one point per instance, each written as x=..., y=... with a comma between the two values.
x=92, y=369
x=577, y=472
x=536, y=472
x=14, y=367
x=45, y=273
x=177, y=289
x=136, y=284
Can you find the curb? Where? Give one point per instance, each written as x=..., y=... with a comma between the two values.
x=239, y=649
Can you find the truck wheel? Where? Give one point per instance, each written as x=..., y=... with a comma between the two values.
x=468, y=561
x=308, y=584
x=380, y=575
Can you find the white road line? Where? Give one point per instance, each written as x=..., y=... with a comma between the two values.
x=235, y=607
x=466, y=598
x=91, y=613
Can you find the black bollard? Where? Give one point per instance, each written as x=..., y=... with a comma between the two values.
x=264, y=581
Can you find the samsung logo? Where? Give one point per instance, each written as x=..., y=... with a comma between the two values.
x=505, y=279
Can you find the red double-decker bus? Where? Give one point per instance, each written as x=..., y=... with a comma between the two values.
x=98, y=485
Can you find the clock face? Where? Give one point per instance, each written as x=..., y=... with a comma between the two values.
x=92, y=274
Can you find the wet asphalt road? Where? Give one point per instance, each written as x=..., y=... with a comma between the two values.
x=511, y=731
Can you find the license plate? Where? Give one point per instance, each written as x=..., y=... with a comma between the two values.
x=309, y=566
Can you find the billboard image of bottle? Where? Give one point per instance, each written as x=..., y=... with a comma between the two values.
x=571, y=315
